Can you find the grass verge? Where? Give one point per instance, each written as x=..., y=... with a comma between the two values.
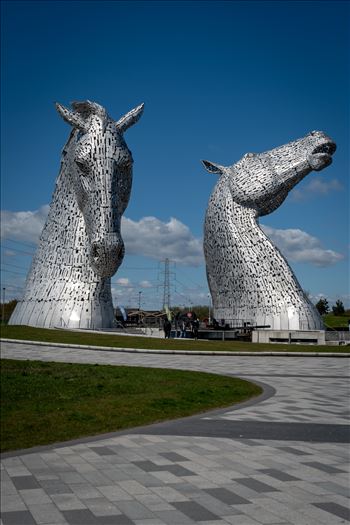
x=337, y=321
x=43, y=403
x=115, y=340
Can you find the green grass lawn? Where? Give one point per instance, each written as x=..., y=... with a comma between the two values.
x=43, y=403
x=115, y=340
x=336, y=321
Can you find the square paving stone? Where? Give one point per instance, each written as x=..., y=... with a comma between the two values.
x=178, y=470
x=195, y=511
x=121, y=519
x=67, y=502
x=226, y=496
x=21, y=517
x=12, y=502
x=53, y=486
x=47, y=513
x=25, y=482
x=278, y=474
x=134, y=510
x=80, y=517
x=71, y=477
x=147, y=466
x=173, y=456
x=324, y=468
x=256, y=485
x=85, y=491
x=114, y=493
x=103, y=451
x=330, y=486
x=334, y=508
x=295, y=451
x=34, y=496
x=217, y=507
x=101, y=507
x=96, y=478
x=173, y=517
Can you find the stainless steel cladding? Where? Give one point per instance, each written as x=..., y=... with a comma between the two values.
x=81, y=246
x=249, y=280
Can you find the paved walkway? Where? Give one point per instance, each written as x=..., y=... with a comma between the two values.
x=282, y=461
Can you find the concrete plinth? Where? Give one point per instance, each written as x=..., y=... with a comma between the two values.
x=289, y=336
x=317, y=337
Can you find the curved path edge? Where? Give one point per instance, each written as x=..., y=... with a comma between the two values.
x=162, y=427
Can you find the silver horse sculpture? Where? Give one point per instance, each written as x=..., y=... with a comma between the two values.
x=249, y=280
x=81, y=246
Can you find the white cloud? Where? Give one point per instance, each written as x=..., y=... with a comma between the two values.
x=150, y=237
x=317, y=296
x=316, y=186
x=298, y=246
x=331, y=298
x=23, y=225
x=153, y=238
x=145, y=284
x=123, y=281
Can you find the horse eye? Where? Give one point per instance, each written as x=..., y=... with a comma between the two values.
x=82, y=166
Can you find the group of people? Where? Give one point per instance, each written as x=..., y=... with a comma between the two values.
x=182, y=324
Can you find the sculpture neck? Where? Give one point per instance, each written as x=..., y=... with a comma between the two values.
x=62, y=254
x=249, y=279
x=257, y=260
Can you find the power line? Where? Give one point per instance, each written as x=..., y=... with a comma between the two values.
x=17, y=250
x=189, y=278
x=16, y=273
x=30, y=244
x=140, y=268
x=188, y=288
x=14, y=266
x=12, y=287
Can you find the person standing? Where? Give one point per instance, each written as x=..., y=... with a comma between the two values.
x=195, y=328
x=167, y=328
x=183, y=324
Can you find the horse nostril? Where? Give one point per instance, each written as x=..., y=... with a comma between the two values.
x=94, y=251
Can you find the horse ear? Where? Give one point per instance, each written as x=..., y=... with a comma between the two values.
x=130, y=118
x=212, y=167
x=72, y=118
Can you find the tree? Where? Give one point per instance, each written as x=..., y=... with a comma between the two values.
x=201, y=311
x=322, y=306
x=6, y=310
x=338, y=309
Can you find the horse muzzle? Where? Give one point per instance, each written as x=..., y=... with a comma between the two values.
x=106, y=256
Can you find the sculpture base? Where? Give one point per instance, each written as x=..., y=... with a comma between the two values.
x=60, y=314
x=316, y=337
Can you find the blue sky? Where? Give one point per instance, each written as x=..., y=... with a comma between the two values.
x=218, y=79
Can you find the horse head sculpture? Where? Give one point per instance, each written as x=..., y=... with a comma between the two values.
x=262, y=181
x=99, y=165
x=81, y=246
x=249, y=279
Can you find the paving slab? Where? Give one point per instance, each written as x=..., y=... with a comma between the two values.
x=281, y=460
